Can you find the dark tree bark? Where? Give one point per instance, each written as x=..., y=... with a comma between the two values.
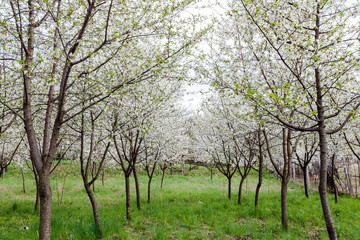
x=284, y=217
x=137, y=187
x=323, y=179
x=163, y=168
x=94, y=206
x=261, y=160
x=36, y=178
x=128, y=199
x=45, y=196
x=240, y=190
x=37, y=199
x=23, y=178
x=306, y=184
x=229, y=188
x=149, y=191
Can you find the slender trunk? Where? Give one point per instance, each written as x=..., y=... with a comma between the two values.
x=284, y=218
x=45, y=196
x=2, y=173
x=128, y=200
x=37, y=199
x=211, y=173
x=94, y=208
x=92, y=174
x=333, y=178
x=171, y=169
x=260, y=176
x=229, y=187
x=149, y=188
x=305, y=181
x=138, y=203
x=336, y=193
x=240, y=189
x=322, y=141
x=323, y=184
x=23, y=178
x=162, y=178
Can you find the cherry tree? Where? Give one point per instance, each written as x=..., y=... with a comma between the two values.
x=94, y=145
x=305, y=152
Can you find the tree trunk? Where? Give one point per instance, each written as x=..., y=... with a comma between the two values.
x=284, y=218
x=2, y=172
x=330, y=226
x=336, y=193
x=23, y=178
x=128, y=200
x=305, y=181
x=37, y=199
x=92, y=174
x=171, y=169
x=258, y=186
x=138, y=203
x=95, y=209
x=162, y=178
x=211, y=173
x=149, y=187
x=229, y=188
x=240, y=190
x=45, y=196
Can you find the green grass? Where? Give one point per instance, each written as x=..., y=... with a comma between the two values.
x=188, y=207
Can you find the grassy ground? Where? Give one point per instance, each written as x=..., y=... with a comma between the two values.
x=188, y=207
